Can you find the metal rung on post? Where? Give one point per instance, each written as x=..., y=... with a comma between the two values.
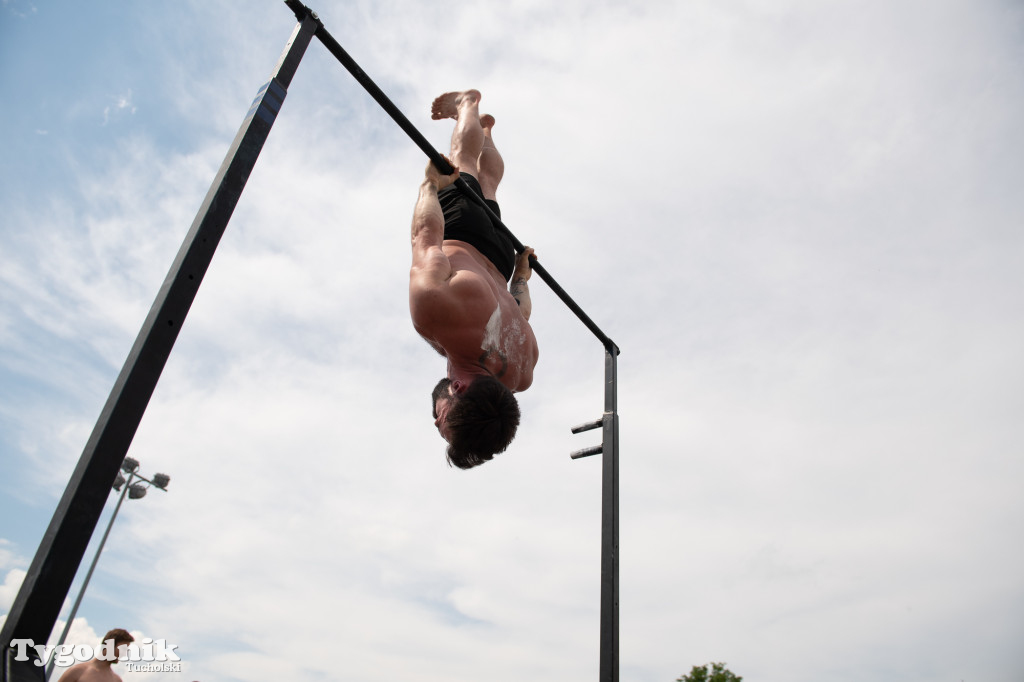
x=588, y=426
x=587, y=452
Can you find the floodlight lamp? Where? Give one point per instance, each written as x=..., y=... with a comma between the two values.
x=118, y=482
x=161, y=481
x=129, y=465
x=136, y=491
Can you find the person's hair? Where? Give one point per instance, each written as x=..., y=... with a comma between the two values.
x=119, y=635
x=442, y=390
x=482, y=422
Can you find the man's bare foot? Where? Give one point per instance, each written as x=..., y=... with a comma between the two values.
x=486, y=121
x=447, y=105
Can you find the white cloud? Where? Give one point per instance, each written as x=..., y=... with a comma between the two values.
x=10, y=587
x=18, y=8
x=122, y=104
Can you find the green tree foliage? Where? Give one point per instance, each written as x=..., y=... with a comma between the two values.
x=717, y=673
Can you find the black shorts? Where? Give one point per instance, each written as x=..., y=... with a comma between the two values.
x=466, y=221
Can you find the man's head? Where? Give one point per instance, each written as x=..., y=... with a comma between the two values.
x=478, y=421
x=120, y=637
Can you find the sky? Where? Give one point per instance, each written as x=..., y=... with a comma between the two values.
x=800, y=220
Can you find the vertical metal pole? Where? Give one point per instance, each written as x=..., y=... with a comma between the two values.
x=88, y=575
x=37, y=605
x=610, y=522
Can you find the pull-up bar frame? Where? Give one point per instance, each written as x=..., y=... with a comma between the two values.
x=48, y=580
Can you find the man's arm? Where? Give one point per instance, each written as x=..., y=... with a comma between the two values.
x=429, y=264
x=519, y=288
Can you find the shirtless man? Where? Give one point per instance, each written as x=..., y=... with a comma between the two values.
x=99, y=668
x=458, y=296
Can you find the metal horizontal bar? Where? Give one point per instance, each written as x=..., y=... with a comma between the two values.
x=332, y=45
x=587, y=452
x=596, y=424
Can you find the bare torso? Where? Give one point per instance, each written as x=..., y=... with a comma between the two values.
x=90, y=671
x=484, y=331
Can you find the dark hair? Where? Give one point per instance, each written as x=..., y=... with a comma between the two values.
x=482, y=421
x=119, y=635
x=442, y=390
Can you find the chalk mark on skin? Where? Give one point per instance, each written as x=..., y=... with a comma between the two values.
x=501, y=356
x=492, y=332
x=492, y=342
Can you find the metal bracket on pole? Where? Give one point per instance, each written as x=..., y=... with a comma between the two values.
x=594, y=450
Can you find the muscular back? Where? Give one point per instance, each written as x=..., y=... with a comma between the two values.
x=461, y=306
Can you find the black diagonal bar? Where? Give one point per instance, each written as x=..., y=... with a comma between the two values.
x=332, y=45
x=38, y=603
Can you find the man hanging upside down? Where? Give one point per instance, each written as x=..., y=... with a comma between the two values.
x=458, y=296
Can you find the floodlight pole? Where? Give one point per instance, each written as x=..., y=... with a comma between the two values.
x=38, y=603
x=132, y=475
x=88, y=575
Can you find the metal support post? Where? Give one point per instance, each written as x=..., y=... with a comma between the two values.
x=37, y=605
x=610, y=523
x=609, y=448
